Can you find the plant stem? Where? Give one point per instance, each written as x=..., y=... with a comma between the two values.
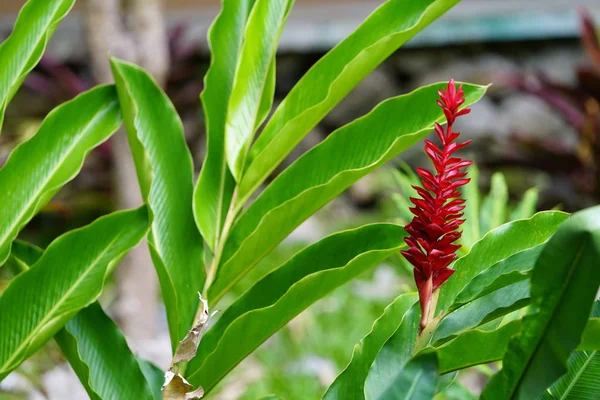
x=431, y=323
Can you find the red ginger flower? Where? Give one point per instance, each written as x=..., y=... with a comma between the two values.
x=437, y=213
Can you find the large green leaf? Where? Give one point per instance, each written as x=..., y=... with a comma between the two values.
x=285, y=292
x=350, y=383
x=331, y=79
x=590, y=340
x=395, y=353
x=475, y=347
x=22, y=50
x=69, y=276
x=94, y=346
x=483, y=309
x=164, y=166
x=472, y=195
x=265, y=24
x=414, y=381
x=101, y=358
x=495, y=246
x=582, y=381
x=493, y=209
x=561, y=304
x=324, y=172
x=214, y=189
x=510, y=270
x=39, y=167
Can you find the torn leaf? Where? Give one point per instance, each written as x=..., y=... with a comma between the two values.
x=177, y=388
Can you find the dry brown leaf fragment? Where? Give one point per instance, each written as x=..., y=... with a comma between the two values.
x=177, y=388
x=189, y=345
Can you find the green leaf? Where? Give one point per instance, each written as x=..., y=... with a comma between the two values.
x=53, y=157
x=331, y=79
x=212, y=195
x=510, y=270
x=101, y=358
x=495, y=246
x=397, y=350
x=323, y=173
x=22, y=50
x=527, y=206
x=165, y=172
x=94, y=346
x=484, y=309
x=493, y=209
x=285, y=292
x=475, y=347
x=582, y=381
x=69, y=276
x=154, y=376
x=590, y=340
x=561, y=304
x=416, y=380
x=456, y=391
x=350, y=383
x=472, y=195
x=265, y=24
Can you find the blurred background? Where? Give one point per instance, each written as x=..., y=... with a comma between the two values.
x=538, y=127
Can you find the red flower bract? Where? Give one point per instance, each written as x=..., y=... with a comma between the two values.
x=438, y=212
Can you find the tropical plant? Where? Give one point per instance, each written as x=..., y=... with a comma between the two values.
x=204, y=239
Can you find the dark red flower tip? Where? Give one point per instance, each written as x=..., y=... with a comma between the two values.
x=433, y=230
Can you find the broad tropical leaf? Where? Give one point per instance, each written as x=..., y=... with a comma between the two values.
x=285, y=292
x=255, y=67
x=22, y=50
x=493, y=208
x=474, y=347
x=590, y=340
x=69, y=276
x=582, y=381
x=214, y=189
x=414, y=381
x=101, y=358
x=561, y=304
x=495, y=246
x=323, y=173
x=510, y=270
x=331, y=79
x=484, y=309
x=350, y=383
x=53, y=157
x=154, y=376
x=164, y=166
x=94, y=346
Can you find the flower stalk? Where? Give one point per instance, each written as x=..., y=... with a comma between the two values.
x=437, y=213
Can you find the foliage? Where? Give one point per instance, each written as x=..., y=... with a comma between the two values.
x=205, y=239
